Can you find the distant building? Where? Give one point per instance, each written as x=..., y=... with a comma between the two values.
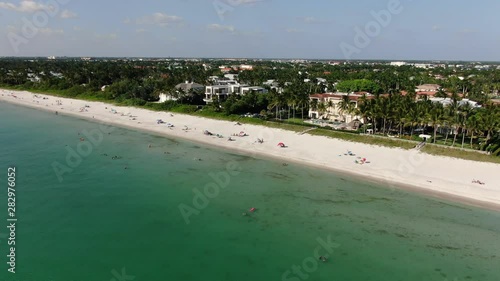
x=246, y=67
x=231, y=76
x=447, y=102
x=223, y=91
x=167, y=97
x=254, y=89
x=34, y=78
x=398, y=63
x=428, y=88
x=190, y=86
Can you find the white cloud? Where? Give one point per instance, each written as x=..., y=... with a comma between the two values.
x=67, y=14
x=50, y=31
x=221, y=28
x=26, y=6
x=436, y=28
x=111, y=36
x=245, y=2
x=313, y=20
x=467, y=31
x=293, y=30
x=160, y=19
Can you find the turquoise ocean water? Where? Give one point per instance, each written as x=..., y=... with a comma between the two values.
x=119, y=219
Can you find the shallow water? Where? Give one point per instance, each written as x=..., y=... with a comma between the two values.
x=105, y=222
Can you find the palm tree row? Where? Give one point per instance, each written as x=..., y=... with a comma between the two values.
x=398, y=113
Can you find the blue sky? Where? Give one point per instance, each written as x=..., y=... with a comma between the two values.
x=416, y=30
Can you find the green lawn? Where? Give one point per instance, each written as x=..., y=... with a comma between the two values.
x=461, y=154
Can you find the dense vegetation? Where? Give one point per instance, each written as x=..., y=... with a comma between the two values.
x=139, y=83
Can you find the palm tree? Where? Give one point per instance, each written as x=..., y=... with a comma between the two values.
x=313, y=104
x=303, y=99
x=321, y=108
x=491, y=119
x=275, y=101
x=473, y=124
x=330, y=105
x=363, y=110
x=436, y=118
x=447, y=118
x=343, y=106
x=465, y=111
x=441, y=93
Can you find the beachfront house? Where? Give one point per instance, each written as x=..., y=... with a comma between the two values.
x=219, y=91
x=181, y=89
x=227, y=88
x=331, y=106
x=255, y=89
x=188, y=87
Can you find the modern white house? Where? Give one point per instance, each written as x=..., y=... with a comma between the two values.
x=447, y=102
x=256, y=89
x=223, y=91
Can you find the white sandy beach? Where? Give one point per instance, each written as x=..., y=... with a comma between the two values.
x=440, y=176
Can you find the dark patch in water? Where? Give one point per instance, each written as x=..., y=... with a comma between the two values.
x=401, y=235
x=439, y=247
x=373, y=199
x=278, y=176
x=241, y=158
x=321, y=200
x=454, y=206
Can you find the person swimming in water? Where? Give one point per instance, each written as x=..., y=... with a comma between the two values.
x=322, y=258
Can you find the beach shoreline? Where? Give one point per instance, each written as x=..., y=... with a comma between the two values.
x=435, y=176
